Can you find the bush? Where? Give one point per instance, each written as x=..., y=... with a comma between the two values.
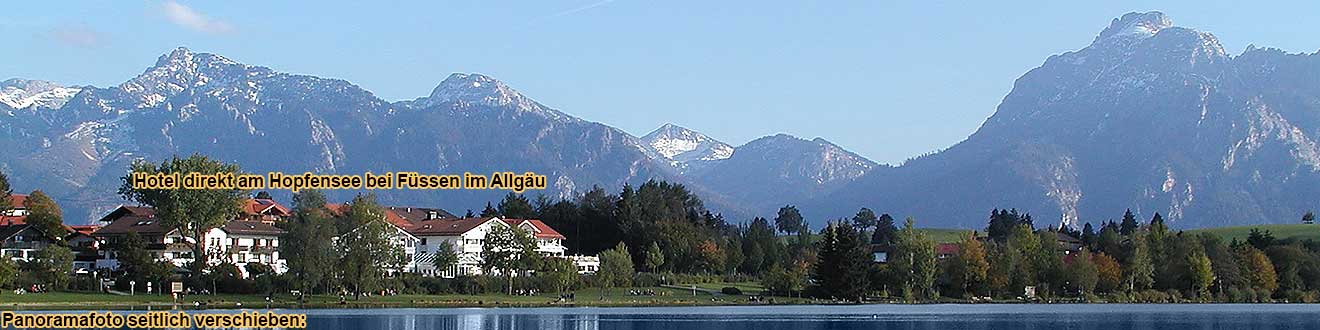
x=647, y=279
x=731, y=291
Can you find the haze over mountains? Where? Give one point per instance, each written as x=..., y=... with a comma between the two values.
x=1150, y=116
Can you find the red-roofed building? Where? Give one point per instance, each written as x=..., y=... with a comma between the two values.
x=16, y=212
x=946, y=250
x=264, y=210
x=240, y=241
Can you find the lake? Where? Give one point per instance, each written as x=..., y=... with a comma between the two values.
x=1101, y=316
x=942, y=317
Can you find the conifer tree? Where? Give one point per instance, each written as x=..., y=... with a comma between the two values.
x=1129, y=224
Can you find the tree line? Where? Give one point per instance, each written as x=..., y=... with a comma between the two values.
x=660, y=232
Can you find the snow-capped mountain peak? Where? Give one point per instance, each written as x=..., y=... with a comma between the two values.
x=23, y=93
x=675, y=142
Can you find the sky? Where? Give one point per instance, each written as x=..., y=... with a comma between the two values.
x=888, y=80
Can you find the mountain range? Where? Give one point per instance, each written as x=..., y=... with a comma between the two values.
x=1149, y=116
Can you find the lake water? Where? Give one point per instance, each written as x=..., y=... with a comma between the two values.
x=1106, y=317
x=942, y=317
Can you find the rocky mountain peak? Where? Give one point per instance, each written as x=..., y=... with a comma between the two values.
x=478, y=89
x=1135, y=25
x=182, y=69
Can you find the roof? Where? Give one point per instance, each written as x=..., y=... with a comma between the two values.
x=415, y=214
x=243, y=227
x=542, y=230
x=265, y=206
x=947, y=248
x=83, y=229
x=8, y=220
x=17, y=201
x=390, y=216
x=10, y=230
x=446, y=227
x=127, y=219
x=1063, y=237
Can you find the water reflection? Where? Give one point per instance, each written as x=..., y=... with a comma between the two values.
x=943, y=317
x=1080, y=317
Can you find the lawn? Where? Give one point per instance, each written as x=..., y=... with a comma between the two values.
x=1280, y=231
x=946, y=235
x=745, y=287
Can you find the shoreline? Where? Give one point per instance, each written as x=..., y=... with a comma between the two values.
x=255, y=303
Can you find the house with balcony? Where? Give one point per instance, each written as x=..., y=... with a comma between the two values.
x=467, y=236
x=241, y=241
x=21, y=241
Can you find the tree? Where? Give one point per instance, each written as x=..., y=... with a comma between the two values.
x=51, y=266
x=306, y=244
x=1109, y=242
x=1109, y=273
x=1129, y=224
x=368, y=252
x=515, y=206
x=1202, y=273
x=1260, y=239
x=45, y=215
x=616, y=267
x=445, y=256
x=508, y=251
x=263, y=195
x=489, y=211
x=1260, y=271
x=971, y=269
x=8, y=272
x=789, y=220
x=1140, y=271
x=1004, y=222
x=1089, y=238
x=559, y=273
x=5, y=192
x=886, y=232
x=136, y=263
x=654, y=257
x=864, y=219
x=841, y=270
x=914, y=262
x=709, y=257
x=780, y=281
x=1083, y=273
x=192, y=212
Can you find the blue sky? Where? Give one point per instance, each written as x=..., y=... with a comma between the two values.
x=887, y=79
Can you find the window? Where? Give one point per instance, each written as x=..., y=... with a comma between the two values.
x=423, y=240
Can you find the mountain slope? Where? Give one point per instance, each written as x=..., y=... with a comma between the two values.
x=270, y=121
x=1149, y=116
x=772, y=171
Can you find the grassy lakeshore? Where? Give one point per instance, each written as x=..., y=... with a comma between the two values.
x=584, y=297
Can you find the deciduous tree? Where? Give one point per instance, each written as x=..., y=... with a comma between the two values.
x=192, y=212
x=45, y=215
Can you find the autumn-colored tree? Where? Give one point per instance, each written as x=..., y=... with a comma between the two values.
x=972, y=267
x=1260, y=271
x=1109, y=271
